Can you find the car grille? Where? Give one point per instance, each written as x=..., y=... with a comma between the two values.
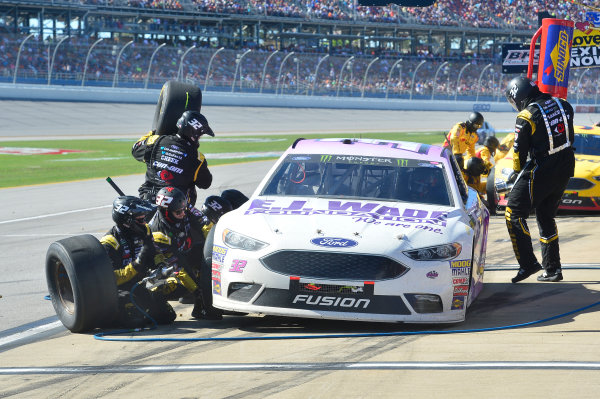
x=336, y=266
x=579, y=184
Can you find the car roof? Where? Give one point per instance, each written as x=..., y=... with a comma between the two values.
x=367, y=147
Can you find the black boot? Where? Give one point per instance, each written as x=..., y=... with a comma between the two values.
x=522, y=274
x=552, y=276
x=200, y=311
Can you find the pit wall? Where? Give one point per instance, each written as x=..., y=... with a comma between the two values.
x=30, y=92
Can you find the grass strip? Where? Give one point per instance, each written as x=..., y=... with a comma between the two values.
x=112, y=157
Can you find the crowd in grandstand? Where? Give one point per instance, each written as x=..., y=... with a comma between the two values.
x=298, y=74
x=515, y=14
x=285, y=73
x=502, y=14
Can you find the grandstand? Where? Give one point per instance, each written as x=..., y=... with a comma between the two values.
x=450, y=50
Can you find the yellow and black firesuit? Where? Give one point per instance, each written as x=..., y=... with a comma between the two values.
x=544, y=160
x=131, y=250
x=174, y=160
x=179, y=239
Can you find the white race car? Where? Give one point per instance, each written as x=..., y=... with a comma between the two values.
x=347, y=229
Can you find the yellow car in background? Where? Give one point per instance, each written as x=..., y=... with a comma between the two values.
x=583, y=190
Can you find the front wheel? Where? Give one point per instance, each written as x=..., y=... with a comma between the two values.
x=81, y=283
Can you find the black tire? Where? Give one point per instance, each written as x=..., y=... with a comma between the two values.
x=175, y=98
x=208, y=246
x=490, y=192
x=81, y=283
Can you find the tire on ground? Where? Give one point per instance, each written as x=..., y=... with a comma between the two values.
x=490, y=191
x=175, y=98
x=81, y=283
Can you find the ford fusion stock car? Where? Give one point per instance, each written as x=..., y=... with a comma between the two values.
x=348, y=229
x=583, y=190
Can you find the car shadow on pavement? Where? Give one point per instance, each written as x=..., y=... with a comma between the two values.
x=500, y=306
x=505, y=304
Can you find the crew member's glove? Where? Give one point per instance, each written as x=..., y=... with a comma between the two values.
x=512, y=178
x=145, y=259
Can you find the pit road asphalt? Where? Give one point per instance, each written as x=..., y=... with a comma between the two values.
x=39, y=358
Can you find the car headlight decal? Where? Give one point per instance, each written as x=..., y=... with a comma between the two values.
x=435, y=253
x=239, y=241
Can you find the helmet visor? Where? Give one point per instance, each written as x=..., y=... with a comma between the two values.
x=179, y=213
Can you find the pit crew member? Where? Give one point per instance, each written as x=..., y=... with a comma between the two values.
x=131, y=250
x=544, y=133
x=463, y=137
x=179, y=238
x=174, y=160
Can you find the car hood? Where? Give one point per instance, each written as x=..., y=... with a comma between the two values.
x=587, y=166
x=354, y=225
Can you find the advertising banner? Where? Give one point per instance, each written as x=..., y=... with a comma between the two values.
x=515, y=57
x=585, y=52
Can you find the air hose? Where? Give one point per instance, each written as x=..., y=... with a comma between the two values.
x=110, y=336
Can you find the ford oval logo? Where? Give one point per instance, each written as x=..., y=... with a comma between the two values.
x=333, y=242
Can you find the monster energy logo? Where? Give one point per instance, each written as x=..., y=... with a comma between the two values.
x=326, y=158
x=402, y=162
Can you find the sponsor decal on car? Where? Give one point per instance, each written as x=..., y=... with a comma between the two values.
x=216, y=279
x=333, y=242
x=216, y=287
x=461, y=290
x=432, y=274
x=460, y=268
x=460, y=280
x=332, y=301
x=458, y=302
x=218, y=254
x=238, y=265
x=312, y=287
x=355, y=209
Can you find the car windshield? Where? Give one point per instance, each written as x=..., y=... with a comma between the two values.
x=587, y=144
x=361, y=177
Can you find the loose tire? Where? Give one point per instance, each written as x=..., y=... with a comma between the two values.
x=490, y=192
x=81, y=283
x=175, y=98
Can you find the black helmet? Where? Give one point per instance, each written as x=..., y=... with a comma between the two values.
x=169, y=200
x=235, y=197
x=520, y=91
x=192, y=125
x=214, y=207
x=492, y=143
x=129, y=213
x=475, y=121
x=475, y=167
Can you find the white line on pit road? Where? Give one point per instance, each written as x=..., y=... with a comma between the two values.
x=304, y=366
x=28, y=333
x=55, y=214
